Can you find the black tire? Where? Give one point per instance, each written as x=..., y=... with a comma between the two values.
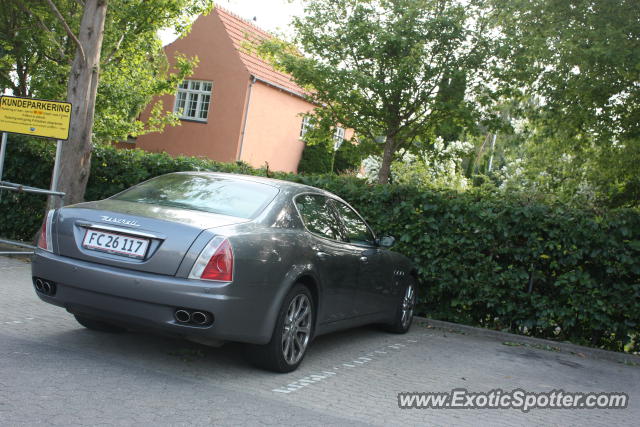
x=407, y=301
x=97, y=325
x=271, y=356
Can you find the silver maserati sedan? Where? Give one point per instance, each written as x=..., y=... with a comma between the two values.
x=223, y=257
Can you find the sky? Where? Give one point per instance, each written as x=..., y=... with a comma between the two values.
x=271, y=15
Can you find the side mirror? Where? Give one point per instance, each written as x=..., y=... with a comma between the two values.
x=386, y=241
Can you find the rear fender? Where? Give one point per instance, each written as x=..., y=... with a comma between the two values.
x=290, y=279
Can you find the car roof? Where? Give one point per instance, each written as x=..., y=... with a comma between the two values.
x=278, y=183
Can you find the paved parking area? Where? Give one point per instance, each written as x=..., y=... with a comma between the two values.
x=54, y=372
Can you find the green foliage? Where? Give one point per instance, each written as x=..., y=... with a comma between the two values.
x=441, y=166
x=394, y=69
x=498, y=260
x=348, y=158
x=576, y=66
x=135, y=67
x=581, y=56
x=30, y=162
x=31, y=53
x=36, y=54
x=506, y=262
x=319, y=155
x=454, y=112
x=114, y=170
x=318, y=158
x=318, y=146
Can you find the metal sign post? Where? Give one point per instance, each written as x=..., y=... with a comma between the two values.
x=3, y=152
x=56, y=166
x=35, y=117
x=55, y=176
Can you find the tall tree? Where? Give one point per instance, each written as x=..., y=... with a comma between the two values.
x=377, y=65
x=576, y=63
x=64, y=47
x=82, y=87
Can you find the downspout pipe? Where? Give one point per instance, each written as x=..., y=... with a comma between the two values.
x=252, y=81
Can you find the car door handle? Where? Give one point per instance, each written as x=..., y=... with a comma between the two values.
x=322, y=255
x=364, y=259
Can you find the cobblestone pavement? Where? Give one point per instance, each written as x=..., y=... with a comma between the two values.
x=54, y=372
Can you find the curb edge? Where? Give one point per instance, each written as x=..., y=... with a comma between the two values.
x=595, y=353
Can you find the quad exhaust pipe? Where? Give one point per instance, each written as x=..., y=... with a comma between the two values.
x=200, y=318
x=193, y=317
x=182, y=316
x=44, y=286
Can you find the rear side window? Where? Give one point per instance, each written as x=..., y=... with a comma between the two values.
x=318, y=216
x=356, y=229
x=214, y=194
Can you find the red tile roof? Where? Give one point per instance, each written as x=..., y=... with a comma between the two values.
x=242, y=32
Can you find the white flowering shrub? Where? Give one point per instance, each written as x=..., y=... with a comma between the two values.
x=519, y=175
x=440, y=166
x=370, y=168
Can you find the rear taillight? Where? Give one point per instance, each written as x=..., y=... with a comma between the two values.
x=215, y=261
x=44, y=241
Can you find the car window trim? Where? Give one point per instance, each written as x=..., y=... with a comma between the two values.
x=337, y=214
x=367, y=245
x=304, y=224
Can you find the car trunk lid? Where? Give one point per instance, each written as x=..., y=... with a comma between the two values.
x=168, y=232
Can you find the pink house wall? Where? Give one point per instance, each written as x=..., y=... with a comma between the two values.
x=273, y=128
x=270, y=131
x=219, y=137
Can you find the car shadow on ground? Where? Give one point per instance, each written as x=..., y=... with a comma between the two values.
x=169, y=353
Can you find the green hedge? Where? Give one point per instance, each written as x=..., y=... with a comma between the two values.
x=317, y=158
x=514, y=265
x=502, y=262
x=112, y=170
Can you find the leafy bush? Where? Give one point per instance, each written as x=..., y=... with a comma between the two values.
x=512, y=264
x=29, y=163
x=500, y=261
x=317, y=157
x=441, y=165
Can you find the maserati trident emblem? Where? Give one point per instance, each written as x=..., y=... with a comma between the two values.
x=121, y=221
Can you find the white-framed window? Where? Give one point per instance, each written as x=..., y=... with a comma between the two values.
x=193, y=99
x=338, y=137
x=307, y=125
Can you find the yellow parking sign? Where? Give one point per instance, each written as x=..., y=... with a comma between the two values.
x=36, y=117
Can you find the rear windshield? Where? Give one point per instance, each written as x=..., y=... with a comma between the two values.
x=213, y=194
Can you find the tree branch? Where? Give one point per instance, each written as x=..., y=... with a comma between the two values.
x=59, y=61
x=115, y=49
x=67, y=29
x=44, y=28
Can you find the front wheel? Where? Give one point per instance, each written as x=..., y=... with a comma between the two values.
x=404, y=312
x=291, y=336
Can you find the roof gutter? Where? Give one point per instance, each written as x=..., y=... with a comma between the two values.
x=252, y=80
x=282, y=88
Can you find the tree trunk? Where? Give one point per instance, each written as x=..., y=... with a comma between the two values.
x=387, y=158
x=75, y=160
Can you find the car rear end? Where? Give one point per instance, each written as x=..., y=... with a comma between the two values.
x=160, y=256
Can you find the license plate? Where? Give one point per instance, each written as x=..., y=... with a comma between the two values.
x=119, y=244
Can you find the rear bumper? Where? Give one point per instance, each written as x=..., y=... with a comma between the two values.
x=241, y=313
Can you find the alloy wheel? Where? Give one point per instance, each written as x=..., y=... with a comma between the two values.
x=297, y=329
x=408, y=303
